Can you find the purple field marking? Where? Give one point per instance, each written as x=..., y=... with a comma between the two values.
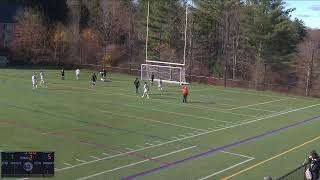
x=217, y=150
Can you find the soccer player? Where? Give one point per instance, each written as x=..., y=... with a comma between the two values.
x=103, y=74
x=137, y=84
x=160, y=87
x=145, y=90
x=152, y=78
x=94, y=79
x=78, y=74
x=185, y=93
x=42, y=81
x=34, y=82
x=62, y=74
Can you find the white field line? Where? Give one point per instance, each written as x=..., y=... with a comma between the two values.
x=226, y=169
x=152, y=120
x=235, y=154
x=94, y=157
x=140, y=146
x=106, y=154
x=67, y=164
x=133, y=164
x=257, y=109
x=250, y=121
x=130, y=149
x=81, y=160
x=149, y=144
x=179, y=114
x=268, y=102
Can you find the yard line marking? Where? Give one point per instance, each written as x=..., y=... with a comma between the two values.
x=268, y=102
x=106, y=154
x=158, y=141
x=140, y=146
x=235, y=154
x=94, y=157
x=152, y=120
x=67, y=164
x=175, y=137
x=248, y=108
x=271, y=158
x=133, y=164
x=80, y=160
x=150, y=144
x=226, y=169
x=130, y=149
x=196, y=135
x=180, y=114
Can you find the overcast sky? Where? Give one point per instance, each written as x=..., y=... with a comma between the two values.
x=306, y=10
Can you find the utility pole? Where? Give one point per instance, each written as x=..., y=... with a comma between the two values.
x=191, y=51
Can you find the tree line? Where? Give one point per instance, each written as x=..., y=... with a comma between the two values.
x=254, y=40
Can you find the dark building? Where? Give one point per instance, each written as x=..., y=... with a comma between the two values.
x=7, y=23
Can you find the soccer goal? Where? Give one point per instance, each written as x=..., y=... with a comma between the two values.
x=169, y=72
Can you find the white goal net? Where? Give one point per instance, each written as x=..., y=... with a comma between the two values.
x=169, y=74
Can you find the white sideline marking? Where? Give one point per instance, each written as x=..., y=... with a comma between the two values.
x=204, y=133
x=140, y=146
x=130, y=149
x=226, y=169
x=80, y=160
x=175, y=137
x=241, y=107
x=235, y=154
x=152, y=120
x=158, y=141
x=94, y=157
x=106, y=154
x=67, y=164
x=133, y=164
x=150, y=144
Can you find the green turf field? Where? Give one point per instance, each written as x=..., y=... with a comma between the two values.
x=109, y=132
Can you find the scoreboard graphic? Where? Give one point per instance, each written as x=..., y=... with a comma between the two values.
x=27, y=164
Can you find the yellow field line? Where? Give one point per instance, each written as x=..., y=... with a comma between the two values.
x=270, y=159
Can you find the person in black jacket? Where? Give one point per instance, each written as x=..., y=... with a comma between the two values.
x=137, y=84
x=314, y=162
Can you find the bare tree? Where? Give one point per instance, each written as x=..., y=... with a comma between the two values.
x=31, y=42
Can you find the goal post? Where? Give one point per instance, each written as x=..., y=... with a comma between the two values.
x=170, y=72
x=167, y=73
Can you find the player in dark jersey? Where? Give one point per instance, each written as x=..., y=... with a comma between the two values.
x=94, y=79
x=137, y=84
x=152, y=79
x=62, y=74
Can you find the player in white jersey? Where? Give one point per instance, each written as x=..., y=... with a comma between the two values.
x=145, y=90
x=78, y=74
x=160, y=86
x=34, y=82
x=42, y=81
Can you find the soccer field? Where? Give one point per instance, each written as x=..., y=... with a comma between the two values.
x=109, y=132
